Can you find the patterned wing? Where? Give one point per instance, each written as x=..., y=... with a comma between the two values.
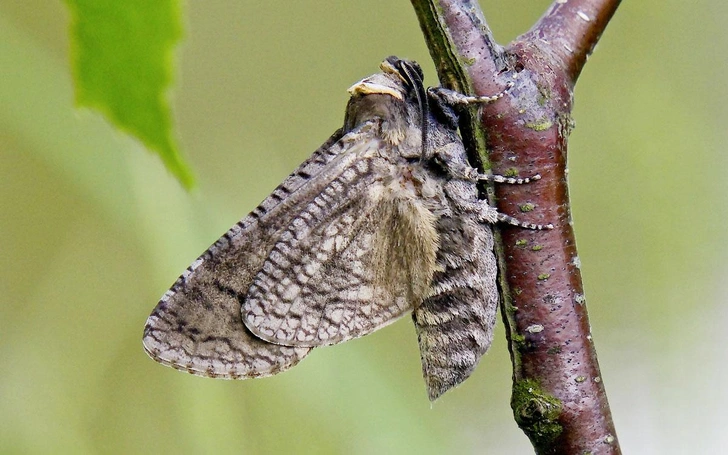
x=197, y=325
x=357, y=258
x=197, y=328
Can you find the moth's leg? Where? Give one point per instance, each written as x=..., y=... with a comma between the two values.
x=485, y=212
x=516, y=222
x=445, y=158
x=466, y=172
x=457, y=99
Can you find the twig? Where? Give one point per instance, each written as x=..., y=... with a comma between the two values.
x=558, y=396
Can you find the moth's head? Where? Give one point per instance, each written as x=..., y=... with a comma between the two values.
x=396, y=96
x=399, y=78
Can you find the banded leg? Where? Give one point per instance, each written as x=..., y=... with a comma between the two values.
x=489, y=214
x=466, y=172
x=453, y=98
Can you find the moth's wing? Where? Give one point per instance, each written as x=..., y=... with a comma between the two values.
x=359, y=256
x=197, y=325
x=197, y=328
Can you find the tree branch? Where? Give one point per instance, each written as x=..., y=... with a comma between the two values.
x=571, y=30
x=558, y=397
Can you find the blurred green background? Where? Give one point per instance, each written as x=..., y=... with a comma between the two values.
x=93, y=231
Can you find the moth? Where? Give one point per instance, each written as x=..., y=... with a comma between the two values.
x=382, y=220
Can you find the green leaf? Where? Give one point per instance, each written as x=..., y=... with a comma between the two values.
x=122, y=65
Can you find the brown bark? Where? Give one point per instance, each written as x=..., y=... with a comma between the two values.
x=559, y=398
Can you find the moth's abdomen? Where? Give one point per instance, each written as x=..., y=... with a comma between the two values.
x=455, y=322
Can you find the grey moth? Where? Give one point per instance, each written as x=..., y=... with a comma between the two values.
x=383, y=220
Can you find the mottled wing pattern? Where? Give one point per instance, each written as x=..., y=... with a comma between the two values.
x=197, y=325
x=361, y=255
x=198, y=329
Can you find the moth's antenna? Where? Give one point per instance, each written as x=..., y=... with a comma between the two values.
x=414, y=77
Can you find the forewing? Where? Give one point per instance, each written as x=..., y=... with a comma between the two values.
x=197, y=325
x=198, y=329
x=361, y=255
